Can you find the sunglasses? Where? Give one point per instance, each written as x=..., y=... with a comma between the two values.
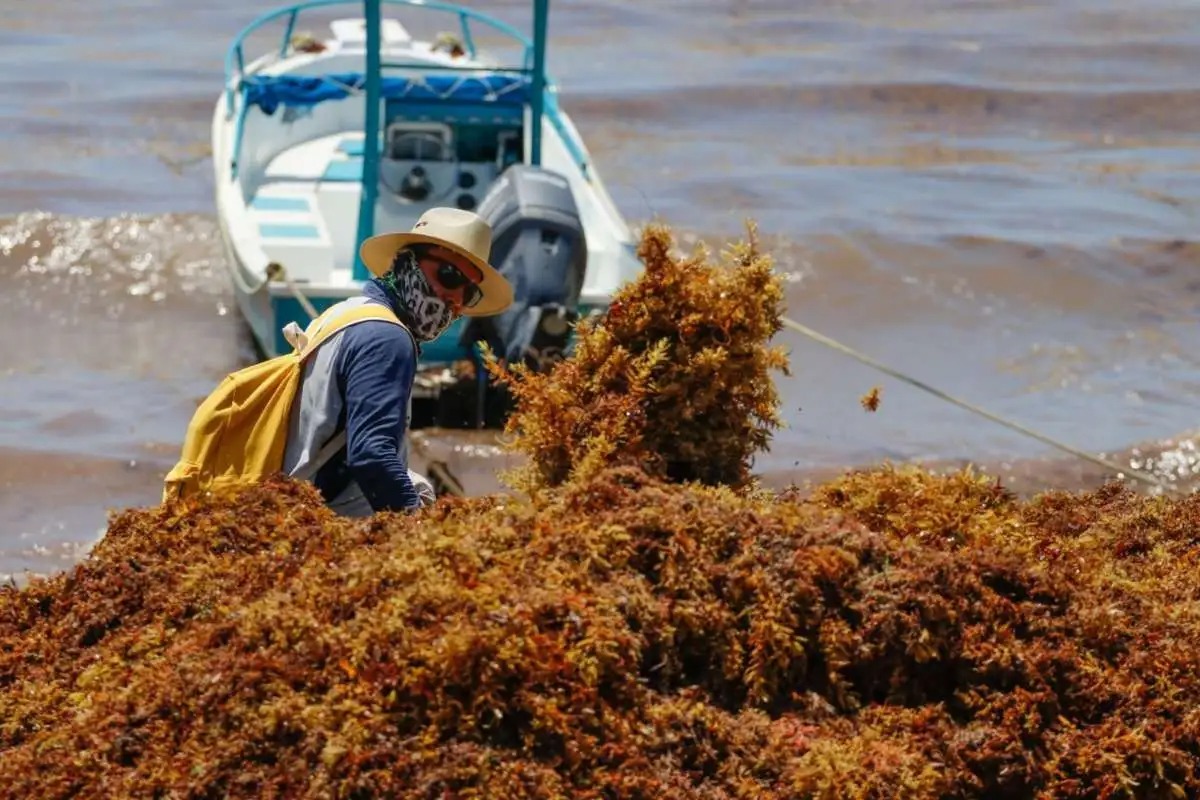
x=450, y=277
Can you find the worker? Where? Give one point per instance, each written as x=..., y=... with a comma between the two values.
x=359, y=382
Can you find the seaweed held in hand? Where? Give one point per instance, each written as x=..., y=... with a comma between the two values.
x=642, y=624
x=676, y=377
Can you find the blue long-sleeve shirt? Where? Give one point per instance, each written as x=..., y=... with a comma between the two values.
x=373, y=364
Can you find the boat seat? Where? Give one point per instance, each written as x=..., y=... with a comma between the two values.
x=290, y=229
x=307, y=208
x=328, y=173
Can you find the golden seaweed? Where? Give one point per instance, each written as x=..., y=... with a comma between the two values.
x=674, y=378
x=642, y=624
x=870, y=400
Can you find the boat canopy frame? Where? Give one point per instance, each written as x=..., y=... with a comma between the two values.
x=235, y=56
x=543, y=102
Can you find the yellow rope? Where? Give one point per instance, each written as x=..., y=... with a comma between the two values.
x=974, y=409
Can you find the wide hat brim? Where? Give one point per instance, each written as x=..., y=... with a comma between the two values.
x=497, y=294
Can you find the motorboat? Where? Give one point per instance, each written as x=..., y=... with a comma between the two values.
x=321, y=142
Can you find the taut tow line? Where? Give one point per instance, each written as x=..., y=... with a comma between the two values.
x=821, y=338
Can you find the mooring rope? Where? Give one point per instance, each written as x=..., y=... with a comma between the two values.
x=817, y=336
x=277, y=272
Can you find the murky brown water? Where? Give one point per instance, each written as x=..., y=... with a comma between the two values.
x=997, y=196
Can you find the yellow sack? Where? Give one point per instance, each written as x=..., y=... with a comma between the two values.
x=238, y=434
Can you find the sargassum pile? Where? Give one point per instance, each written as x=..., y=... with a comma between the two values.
x=639, y=620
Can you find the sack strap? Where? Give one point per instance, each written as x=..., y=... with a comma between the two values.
x=322, y=457
x=325, y=328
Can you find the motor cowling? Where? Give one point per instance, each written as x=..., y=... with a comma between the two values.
x=538, y=245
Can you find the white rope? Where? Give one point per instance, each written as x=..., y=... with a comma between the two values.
x=276, y=272
x=349, y=88
x=974, y=409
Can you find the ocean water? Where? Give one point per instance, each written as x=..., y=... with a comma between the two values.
x=999, y=198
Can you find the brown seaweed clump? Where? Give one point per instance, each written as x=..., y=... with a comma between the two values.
x=896, y=634
x=639, y=627
x=675, y=377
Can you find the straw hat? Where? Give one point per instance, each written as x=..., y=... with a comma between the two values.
x=463, y=232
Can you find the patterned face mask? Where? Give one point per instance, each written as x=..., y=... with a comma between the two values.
x=429, y=314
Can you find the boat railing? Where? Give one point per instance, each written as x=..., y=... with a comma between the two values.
x=235, y=62
x=235, y=57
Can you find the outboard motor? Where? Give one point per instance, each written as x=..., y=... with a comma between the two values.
x=538, y=245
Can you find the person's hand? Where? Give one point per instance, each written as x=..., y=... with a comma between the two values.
x=424, y=488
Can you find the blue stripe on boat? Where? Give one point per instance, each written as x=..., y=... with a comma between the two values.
x=275, y=230
x=353, y=145
x=349, y=169
x=280, y=204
